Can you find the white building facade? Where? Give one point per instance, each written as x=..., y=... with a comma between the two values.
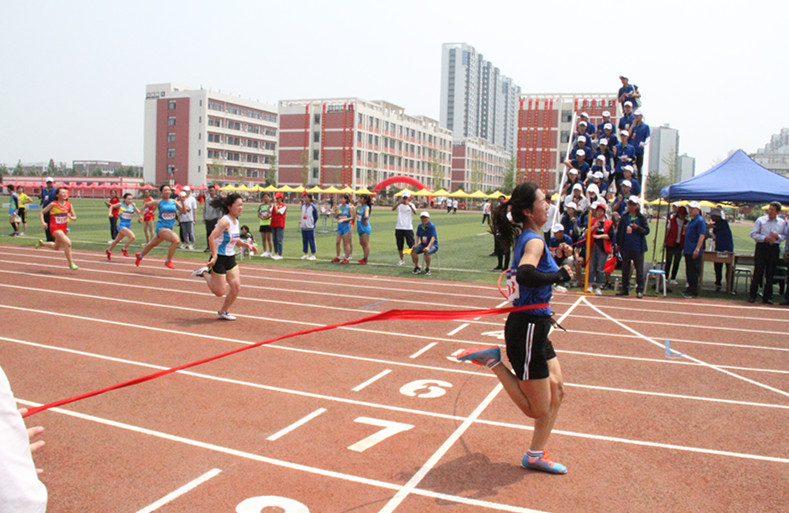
x=478, y=164
x=476, y=99
x=775, y=154
x=193, y=136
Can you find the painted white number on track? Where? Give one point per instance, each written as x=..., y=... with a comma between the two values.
x=425, y=388
x=498, y=334
x=389, y=429
x=256, y=504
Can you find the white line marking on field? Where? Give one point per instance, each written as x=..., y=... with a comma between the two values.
x=696, y=360
x=372, y=380
x=182, y=490
x=279, y=434
x=424, y=350
x=457, y=329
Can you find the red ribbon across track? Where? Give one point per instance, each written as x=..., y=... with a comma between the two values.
x=389, y=315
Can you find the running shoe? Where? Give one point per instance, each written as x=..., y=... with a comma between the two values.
x=39, y=243
x=198, y=273
x=335, y=260
x=311, y=257
x=401, y=262
x=276, y=257
x=363, y=261
x=169, y=264
x=598, y=291
x=488, y=356
x=416, y=270
x=125, y=253
x=265, y=254
x=305, y=257
x=73, y=266
x=544, y=464
x=427, y=272
x=345, y=261
x=138, y=259
x=225, y=316
x=109, y=254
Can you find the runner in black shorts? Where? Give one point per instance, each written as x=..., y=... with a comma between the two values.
x=536, y=387
x=224, y=264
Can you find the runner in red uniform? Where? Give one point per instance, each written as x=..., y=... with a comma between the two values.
x=60, y=213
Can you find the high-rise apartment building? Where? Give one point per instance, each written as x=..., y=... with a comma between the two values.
x=545, y=128
x=358, y=143
x=775, y=154
x=476, y=99
x=687, y=167
x=478, y=164
x=196, y=135
x=664, y=153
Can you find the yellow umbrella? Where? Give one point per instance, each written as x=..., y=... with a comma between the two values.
x=286, y=188
x=458, y=194
x=247, y=188
x=363, y=190
x=705, y=203
x=497, y=194
x=346, y=190
x=441, y=192
x=300, y=188
x=659, y=201
x=423, y=192
x=230, y=187
x=480, y=194
x=401, y=192
x=331, y=190
x=268, y=188
x=315, y=189
x=554, y=197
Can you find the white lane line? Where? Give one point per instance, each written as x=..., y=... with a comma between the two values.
x=696, y=360
x=281, y=463
x=372, y=380
x=424, y=350
x=182, y=490
x=457, y=329
x=279, y=434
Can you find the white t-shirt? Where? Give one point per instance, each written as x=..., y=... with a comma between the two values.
x=405, y=215
x=550, y=222
x=191, y=204
x=20, y=489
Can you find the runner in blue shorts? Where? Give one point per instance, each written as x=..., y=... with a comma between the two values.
x=126, y=210
x=536, y=387
x=222, y=273
x=168, y=209
x=363, y=227
x=344, y=212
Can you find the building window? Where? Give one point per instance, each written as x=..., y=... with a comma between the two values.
x=315, y=173
x=567, y=116
x=171, y=121
x=316, y=119
x=171, y=137
x=171, y=153
x=316, y=154
x=170, y=169
x=565, y=136
x=171, y=105
x=316, y=137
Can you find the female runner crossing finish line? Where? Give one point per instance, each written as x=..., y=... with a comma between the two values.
x=536, y=388
x=222, y=273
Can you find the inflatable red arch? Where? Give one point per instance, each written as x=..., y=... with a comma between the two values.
x=399, y=179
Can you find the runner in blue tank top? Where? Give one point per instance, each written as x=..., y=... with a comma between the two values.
x=363, y=226
x=344, y=213
x=221, y=273
x=536, y=387
x=168, y=209
x=126, y=210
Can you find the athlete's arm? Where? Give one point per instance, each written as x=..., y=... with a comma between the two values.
x=529, y=276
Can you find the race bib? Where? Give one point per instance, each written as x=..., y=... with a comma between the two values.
x=168, y=216
x=61, y=218
x=126, y=214
x=424, y=240
x=513, y=290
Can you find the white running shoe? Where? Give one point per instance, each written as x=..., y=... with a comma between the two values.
x=589, y=290
x=311, y=257
x=276, y=257
x=225, y=316
x=198, y=273
x=598, y=291
x=305, y=257
x=560, y=289
x=265, y=254
x=401, y=262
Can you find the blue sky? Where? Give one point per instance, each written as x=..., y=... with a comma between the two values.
x=74, y=72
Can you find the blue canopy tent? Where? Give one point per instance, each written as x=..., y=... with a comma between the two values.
x=738, y=178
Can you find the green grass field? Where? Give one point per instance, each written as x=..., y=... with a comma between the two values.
x=464, y=242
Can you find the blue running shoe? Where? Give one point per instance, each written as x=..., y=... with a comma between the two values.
x=544, y=464
x=488, y=356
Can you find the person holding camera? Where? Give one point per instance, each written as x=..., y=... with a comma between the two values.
x=404, y=229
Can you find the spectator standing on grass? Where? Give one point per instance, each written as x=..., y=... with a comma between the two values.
x=675, y=242
x=47, y=197
x=632, y=244
x=264, y=214
x=309, y=216
x=404, y=229
x=187, y=218
x=503, y=236
x=694, y=249
x=278, y=213
x=768, y=231
x=211, y=215
x=13, y=207
x=486, y=211
x=724, y=243
x=427, y=243
x=363, y=227
x=20, y=489
x=602, y=237
x=113, y=214
x=24, y=199
x=454, y=205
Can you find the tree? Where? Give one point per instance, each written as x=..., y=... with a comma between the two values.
x=97, y=172
x=305, y=167
x=437, y=170
x=672, y=163
x=51, y=169
x=655, y=182
x=509, y=175
x=216, y=168
x=19, y=170
x=477, y=174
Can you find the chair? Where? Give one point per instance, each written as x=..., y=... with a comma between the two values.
x=658, y=275
x=745, y=272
